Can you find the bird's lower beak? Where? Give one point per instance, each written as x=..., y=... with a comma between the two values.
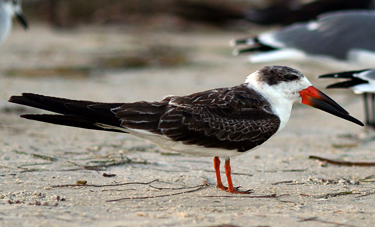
x=315, y=98
x=22, y=20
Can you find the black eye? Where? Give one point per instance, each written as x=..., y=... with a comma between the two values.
x=289, y=77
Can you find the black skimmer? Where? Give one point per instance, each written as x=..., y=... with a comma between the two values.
x=9, y=9
x=345, y=36
x=221, y=122
x=361, y=82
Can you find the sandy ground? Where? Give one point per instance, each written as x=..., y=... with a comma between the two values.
x=39, y=161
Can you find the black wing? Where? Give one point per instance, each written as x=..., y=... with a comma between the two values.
x=234, y=118
x=351, y=76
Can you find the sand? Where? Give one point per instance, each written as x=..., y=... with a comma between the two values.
x=41, y=164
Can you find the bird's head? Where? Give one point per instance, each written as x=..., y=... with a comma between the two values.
x=282, y=85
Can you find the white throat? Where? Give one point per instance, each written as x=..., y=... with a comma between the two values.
x=280, y=96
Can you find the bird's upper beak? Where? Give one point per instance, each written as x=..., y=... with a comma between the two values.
x=21, y=18
x=315, y=98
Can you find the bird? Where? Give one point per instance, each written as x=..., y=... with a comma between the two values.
x=277, y=13
x=219, y=123
x=361, y=82
x=344, y=36
x=289, y=12
x=9, y=9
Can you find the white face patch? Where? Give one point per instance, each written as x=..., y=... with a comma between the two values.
x=280, y=95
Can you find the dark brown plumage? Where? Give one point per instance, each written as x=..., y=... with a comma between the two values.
x=235, y=118
x=221, y=122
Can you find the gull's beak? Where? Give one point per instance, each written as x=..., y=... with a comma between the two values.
x=315, y=98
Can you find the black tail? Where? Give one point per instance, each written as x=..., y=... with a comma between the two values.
x=343, y=75
x=81, y=114
x=350, y=75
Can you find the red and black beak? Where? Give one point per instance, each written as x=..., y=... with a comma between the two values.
x=315, y=98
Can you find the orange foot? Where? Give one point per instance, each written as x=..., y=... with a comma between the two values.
x=219, y=183
x=235, y=190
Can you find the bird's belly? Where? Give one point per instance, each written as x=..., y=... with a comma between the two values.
x=166, y=143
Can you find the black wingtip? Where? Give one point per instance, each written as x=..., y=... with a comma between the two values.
x=235, y=42
x=351, y=76
x=68, y=120
x=331, y=75
x=13, y=99
x=21, y=18
x=343, y=75
x=23, y=96
x=18, y=99
x=348, y=83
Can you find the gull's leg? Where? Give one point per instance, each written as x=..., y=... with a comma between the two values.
x=367, y=111
x=373, y=109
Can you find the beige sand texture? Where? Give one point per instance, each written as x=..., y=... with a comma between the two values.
x=154, y=187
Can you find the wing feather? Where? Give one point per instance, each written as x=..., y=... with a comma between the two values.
x=230, y=118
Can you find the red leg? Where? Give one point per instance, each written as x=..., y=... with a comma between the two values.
x=231, y=189
x=219, y=183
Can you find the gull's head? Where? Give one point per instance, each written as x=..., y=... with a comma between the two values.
x=282, y=86
x=13, y=8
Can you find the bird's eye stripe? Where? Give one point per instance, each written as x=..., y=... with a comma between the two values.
x=290, y=77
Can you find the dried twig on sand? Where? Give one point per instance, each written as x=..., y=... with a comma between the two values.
x=342, y=163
